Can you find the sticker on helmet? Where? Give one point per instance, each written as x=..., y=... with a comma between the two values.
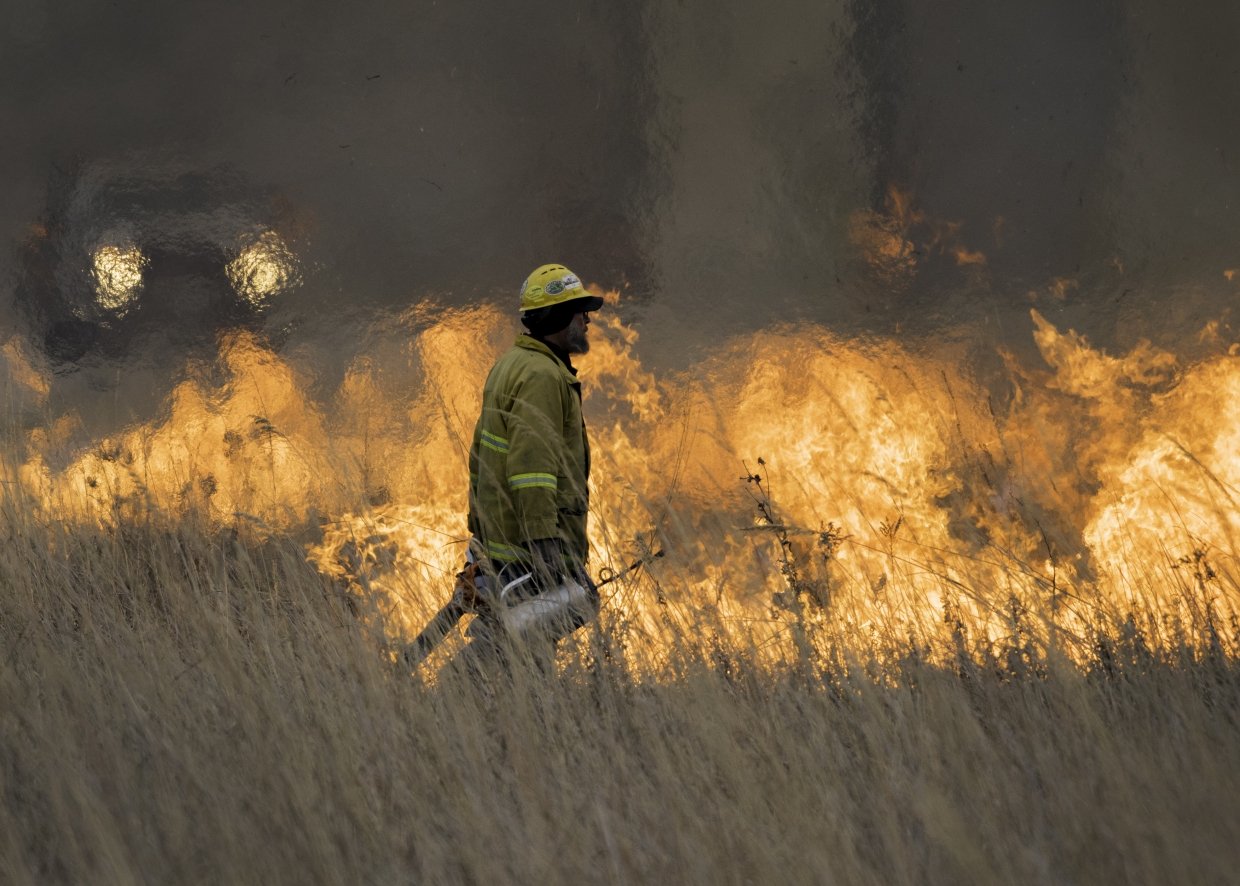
x=555, y=287
x=571, y=281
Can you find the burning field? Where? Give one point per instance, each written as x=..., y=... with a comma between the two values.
x=800, y=484
x=913, y=417
x=907, y=626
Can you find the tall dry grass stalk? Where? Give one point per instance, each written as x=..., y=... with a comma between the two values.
x=181, y=705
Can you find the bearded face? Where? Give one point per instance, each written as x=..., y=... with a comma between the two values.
x=576, y=338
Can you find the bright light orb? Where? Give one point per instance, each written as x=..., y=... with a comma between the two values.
x=264, y=268
x=117, y=271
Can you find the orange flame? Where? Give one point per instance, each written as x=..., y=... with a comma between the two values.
x=889, y=496
x=894, y=243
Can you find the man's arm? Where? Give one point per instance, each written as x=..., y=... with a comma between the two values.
x=535, y=455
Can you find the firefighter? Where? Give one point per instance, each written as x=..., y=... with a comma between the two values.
x=529, y=462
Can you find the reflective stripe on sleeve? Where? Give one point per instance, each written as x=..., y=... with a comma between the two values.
x=533, y=481
x=494, y=442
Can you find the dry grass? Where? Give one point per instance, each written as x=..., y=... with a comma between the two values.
x=178, y=706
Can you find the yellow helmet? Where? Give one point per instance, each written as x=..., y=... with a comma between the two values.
x=554, y=285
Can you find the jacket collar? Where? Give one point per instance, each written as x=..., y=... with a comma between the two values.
x=529, y=343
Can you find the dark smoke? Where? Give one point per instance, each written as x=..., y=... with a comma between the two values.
x=708, y=158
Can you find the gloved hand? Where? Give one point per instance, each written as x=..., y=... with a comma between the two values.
x=547, y=561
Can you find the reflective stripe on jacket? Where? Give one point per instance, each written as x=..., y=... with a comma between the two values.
x=529, y=463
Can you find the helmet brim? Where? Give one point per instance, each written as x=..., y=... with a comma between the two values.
x=583, y=303
x=591, y=302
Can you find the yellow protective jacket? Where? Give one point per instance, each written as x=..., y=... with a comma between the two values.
x=529, y=464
